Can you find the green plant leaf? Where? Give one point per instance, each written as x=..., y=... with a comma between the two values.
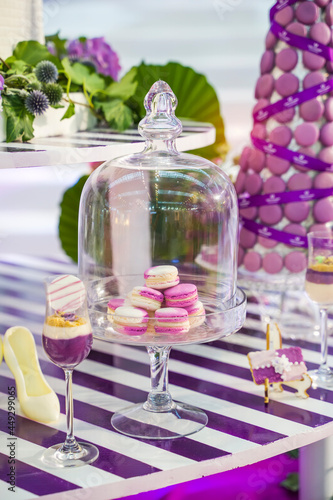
x=125, y=88
x=117, y=114
x=18, y=119
x=77, y=72
x=291, y=482
x=197, y=99
x=33, y=52
x=94, y=82
x=68, y=222
x=70, y=111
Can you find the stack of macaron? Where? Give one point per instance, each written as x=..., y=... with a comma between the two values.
x=162, y=305
x=292, y=140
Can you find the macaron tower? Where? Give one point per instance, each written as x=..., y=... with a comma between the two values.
x=285, y=182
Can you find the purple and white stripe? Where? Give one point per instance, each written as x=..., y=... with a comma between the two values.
x=214, y=376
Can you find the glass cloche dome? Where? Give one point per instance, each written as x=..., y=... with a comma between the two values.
x=160, y=208
x=157, y=250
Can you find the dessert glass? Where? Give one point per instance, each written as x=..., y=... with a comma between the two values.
x=319, y=288
x=67, y=340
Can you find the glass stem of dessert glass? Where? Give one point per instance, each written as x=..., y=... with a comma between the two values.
x=70, y=445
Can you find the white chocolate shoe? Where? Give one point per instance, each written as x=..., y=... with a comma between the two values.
x=38, y=401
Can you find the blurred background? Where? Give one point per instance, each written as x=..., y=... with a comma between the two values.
x=223, y=39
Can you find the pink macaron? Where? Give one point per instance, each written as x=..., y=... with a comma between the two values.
x=249, y=213
x=270, y=215
x=297, y=29
x=297, y=211
x=272, y=263
x=329, y=109
x=285, y=116
x=253, y=183
x=311, y=111
x=304, y=151
x=146, y=298
x=284, y=16
x=240, y=182
x=252, y=261
x=247, y=239
x=130, y=320
x=270, y=40
x=267, y=62
x=323, y=180
x=182, y=295
x=321, y=33
x=114, y=303
x=313, y=78
x=323, y=210
x=240, y=256
x=161, y=277
x=286, y=59
x=295, y=261
x=326, y=155
x=307, y=12
x=264, y=86
x=326, y=134
x=196, y=314
x=287, y=84
x=267, y=242
x=329, y=15
x=256, y=160
x=244, y=157
x=281, y=135
x=312, y=61
x=171, y=320
x=306, y=134
x=277, y=166
x=274, y=184
x=299, y=181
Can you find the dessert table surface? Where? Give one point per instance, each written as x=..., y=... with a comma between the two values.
x=94, y=145
x=214, y=376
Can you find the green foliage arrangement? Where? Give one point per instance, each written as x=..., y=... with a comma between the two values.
x=36, y=77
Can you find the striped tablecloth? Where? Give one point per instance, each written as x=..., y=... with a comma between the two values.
x=215, y=377
x=94, y=145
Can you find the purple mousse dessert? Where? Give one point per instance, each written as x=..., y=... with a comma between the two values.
x=319, y=280
x=67, y=339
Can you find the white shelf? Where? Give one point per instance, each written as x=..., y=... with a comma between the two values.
x=93, y=145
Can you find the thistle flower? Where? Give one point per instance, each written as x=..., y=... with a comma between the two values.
x=2, y=81
x=46, y=72
x=53, y=92
x=36, y=102
x=97, y=52
x=35, y=86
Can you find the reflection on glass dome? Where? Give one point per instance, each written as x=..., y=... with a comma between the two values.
x=159, y=207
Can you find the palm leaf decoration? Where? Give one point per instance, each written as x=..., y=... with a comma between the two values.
x=68, y=222
x=197, y=100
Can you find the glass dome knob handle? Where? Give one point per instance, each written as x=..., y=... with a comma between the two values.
x=160, y=122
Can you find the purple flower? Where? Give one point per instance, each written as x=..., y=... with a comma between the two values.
x=97, y=52
x=1, y=82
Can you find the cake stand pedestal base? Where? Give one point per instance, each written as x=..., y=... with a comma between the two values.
x=181, y=420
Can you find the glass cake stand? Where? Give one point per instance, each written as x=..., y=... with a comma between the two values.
x=160, y=417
